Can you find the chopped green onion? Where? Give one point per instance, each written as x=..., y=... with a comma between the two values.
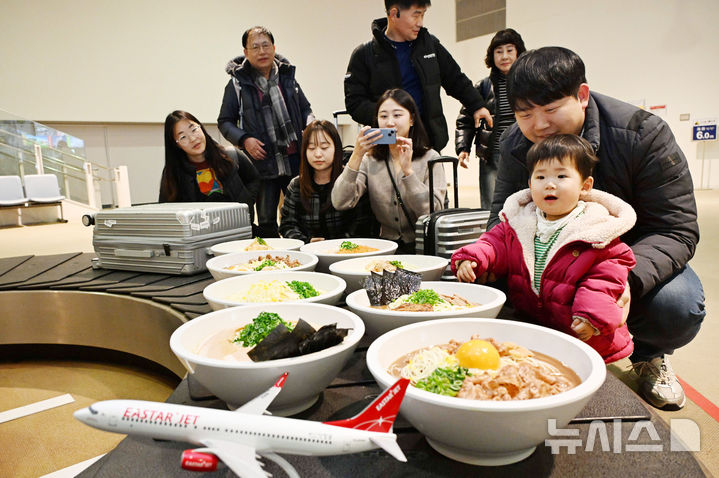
x=304, y=289
x=425, y=296
x=444, y=381
x=265, y=263
x=348, y=246
x=261, y=326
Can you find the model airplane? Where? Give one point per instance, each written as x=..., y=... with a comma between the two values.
x=238, y=437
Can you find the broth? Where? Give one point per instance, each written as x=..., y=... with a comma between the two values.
x=523, y=374
x=218, y=346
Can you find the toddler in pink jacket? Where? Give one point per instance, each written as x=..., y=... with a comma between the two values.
x=558, y=246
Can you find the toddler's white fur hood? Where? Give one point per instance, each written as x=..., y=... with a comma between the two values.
x=605, y=218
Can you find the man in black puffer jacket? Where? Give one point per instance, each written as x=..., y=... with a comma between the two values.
x=641, y=163
x=404, y=55
x=264, y=112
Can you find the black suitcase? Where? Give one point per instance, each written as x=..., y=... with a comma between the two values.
x=442, y=232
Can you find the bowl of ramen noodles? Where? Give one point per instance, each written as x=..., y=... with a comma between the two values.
x=251, y=262
x=405, y=299
x=354, y=271
x=274, y=287
x=483, y=391
x=257, y=244
x=333, y=250
x=239, y=352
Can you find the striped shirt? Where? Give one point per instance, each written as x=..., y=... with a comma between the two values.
x=541, y=251
x=504, y=116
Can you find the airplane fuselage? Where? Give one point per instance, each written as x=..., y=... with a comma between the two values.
x=193, y=424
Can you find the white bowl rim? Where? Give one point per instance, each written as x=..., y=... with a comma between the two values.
x=341, y=286
x=336, y=267
x=353, y=337
x=587, y=387
x=351, y=302
x=295, y=243
x=227, y=257
x=389, y=245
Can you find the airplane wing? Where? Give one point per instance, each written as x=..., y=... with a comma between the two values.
x=241, y=459
x=259, y=404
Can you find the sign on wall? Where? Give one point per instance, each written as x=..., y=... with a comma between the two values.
x=704, y=129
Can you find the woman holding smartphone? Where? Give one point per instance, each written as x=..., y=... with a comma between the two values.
x=395, y=176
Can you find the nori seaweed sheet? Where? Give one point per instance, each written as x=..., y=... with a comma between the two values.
x=390, y=287
x=409, y=281
x=373, y=286
x=281, y=343
x=325, y=337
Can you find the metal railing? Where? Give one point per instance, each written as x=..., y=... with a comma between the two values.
x=29, y=147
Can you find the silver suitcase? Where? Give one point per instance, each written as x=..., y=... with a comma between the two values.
x=441, y=233
x=168, y=238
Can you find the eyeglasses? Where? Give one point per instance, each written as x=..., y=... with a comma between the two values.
x=195, y=132
x=265, y=46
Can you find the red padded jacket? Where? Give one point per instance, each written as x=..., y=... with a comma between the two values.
x=585, y=274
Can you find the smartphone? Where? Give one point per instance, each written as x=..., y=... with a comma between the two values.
x=389, y=135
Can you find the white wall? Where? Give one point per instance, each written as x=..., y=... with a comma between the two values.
x=663, y=52
x=137, y=60
x=103, y=62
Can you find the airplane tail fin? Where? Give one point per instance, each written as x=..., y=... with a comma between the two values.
x=389, y=444
x=379, y=416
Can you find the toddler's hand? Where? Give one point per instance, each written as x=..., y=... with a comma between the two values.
x=465, y=271
x=584, y=330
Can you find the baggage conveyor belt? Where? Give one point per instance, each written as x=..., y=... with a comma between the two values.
x=60, y=299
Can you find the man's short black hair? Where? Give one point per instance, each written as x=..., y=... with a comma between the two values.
x=405, y=4
x=542, y=76
x=259, y=31
x=561, y=147
x=504, y=37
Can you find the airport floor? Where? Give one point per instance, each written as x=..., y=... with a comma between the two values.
x=48, y=442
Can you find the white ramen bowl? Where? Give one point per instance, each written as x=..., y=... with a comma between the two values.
x=218, y=293
x=324, y=250
x=379, y=321
x=354, y=271
x=487, y=432
x=217, y=265
x=276, y=243
x=238, y=382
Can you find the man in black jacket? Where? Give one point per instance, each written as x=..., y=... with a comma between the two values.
x=264, y=112
x=641, y=163
x=404, y=55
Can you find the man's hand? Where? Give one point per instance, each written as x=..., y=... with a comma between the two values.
x=624, y=302
x=463, y=158
x=584, y=330
x=255, y=148
x=483, y=114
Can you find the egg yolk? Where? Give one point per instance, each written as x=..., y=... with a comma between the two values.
x=478, y=354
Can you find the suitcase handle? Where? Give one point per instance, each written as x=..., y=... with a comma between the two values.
x=134, y=253
x=430, y=166
x=336, y=115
